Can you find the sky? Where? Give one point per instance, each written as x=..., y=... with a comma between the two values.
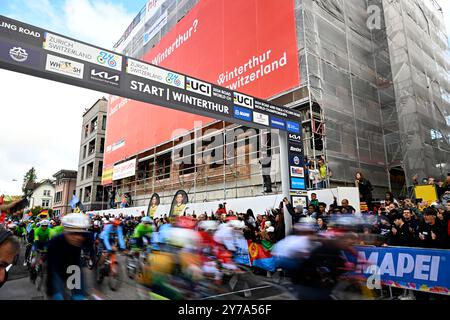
x=40, y=120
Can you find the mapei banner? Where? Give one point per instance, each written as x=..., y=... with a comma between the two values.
x=419, y=269
x=245, y=45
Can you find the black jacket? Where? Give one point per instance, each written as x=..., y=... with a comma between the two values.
x=403, y=238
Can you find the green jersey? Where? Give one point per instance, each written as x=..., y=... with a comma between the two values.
x=56, y=231
x=142, y=230
x=41, y=234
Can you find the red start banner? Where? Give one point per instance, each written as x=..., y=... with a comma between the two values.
x=245, y=45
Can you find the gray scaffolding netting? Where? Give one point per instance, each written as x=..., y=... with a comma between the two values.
x=384, y=90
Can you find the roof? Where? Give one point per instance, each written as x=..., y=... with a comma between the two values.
x=61, y=174
x=89, y=109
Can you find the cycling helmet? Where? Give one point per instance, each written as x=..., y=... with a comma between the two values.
x=208, y=225
x=44, y=223
x=146, y=220
x=116, y=222
x=96, y=223
x=237, y=224
x=75, y=222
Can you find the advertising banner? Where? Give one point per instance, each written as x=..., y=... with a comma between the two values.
x=178, y=207
x=424, y=270
x=66, y=60
x=245, y=45
x=124, y=170
x=155, y=201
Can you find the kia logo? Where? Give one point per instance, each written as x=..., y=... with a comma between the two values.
x=105, y=75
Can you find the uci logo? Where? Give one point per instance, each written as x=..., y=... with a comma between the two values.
x=243, y=100
x=199, y=87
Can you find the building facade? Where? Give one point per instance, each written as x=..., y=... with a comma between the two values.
x=42, y=195
x=88, y=184
x=65, y=188
x=374, y=92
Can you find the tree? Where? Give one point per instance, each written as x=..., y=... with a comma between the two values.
x=30, y=177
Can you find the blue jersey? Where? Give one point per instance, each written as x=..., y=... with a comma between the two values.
x=110, y=232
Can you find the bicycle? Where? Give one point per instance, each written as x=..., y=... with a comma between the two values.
x=136, y=260
x=40, y=269
x=110, y=269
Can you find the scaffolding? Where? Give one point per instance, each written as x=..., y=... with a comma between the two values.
x=375, y=100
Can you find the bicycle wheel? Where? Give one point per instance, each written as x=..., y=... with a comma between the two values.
x=115, y=276
x=131, y=266
x=99, y=276
x=40, y=277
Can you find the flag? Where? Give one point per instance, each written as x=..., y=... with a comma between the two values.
x=73, y=203
x=260, y=257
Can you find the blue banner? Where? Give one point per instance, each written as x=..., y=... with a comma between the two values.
x=419, y=269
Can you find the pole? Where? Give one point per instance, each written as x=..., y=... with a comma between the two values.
x=284, y=170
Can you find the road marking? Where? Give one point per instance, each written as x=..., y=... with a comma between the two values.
x=240, y=291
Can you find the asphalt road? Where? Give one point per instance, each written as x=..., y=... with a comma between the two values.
x=247, y=286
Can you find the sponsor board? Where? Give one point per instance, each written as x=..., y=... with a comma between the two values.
x=20, y=32
x=82, y=51
x=19, y=54
x=104, y=76
x=296, y=149
x=278, y=123
x=260, y=118
x=418, y=269
x=298, y=183
x=293, y=127
x=294, y=137
x=153, y=73
x=197, y=86
x=300, y=201
x=64, y=66
x=298, y=172
x=124, y=170
x=243, y=100
x=242, y=113
x=295, y=159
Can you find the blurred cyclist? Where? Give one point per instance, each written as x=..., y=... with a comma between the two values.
x=41, y=236
x=64, y=258
x=143, y=230
x=111, y=234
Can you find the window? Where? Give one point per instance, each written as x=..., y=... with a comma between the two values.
x=45, y=203
x=80, y=195
x=104, y=123
x=94, y=124
x=100, y=168
x=99, y=195
x=90, y=170
x=163, y=163
x=86, y=130
x=84, y=152
x=91, y=149
x=87, y=194
x=82, y=174
x=186, y=161
x=102, y=145
x=47, y=193
x=58, y=197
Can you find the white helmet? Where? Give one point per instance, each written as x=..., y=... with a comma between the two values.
x=44, y=223
x=96, y=223
x=208, y=225
x=75, y=222
x=237, y=224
